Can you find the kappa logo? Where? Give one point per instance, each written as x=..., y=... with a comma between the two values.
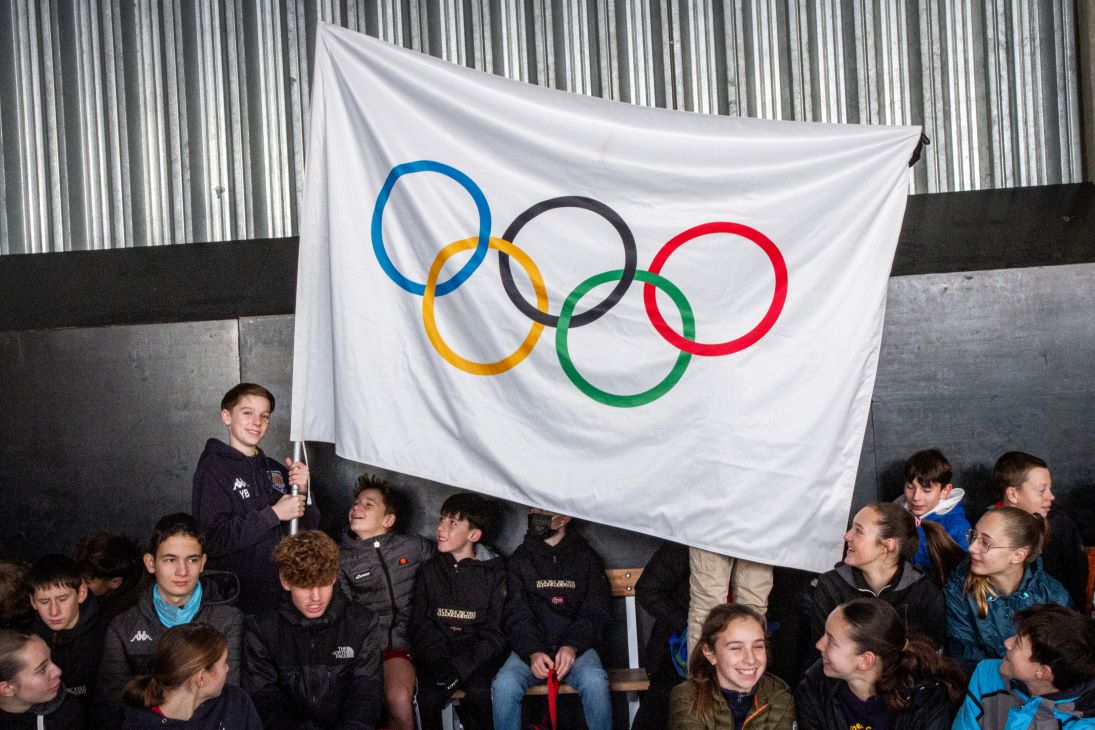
x=141, y=635
x=343, y=652
x=241, y=487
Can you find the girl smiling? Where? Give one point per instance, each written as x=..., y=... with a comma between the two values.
x=727, y=688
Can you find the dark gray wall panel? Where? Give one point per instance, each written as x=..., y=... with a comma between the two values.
x=101, y=428
x=981, y=363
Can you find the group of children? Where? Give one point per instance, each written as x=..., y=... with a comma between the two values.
x=239, y=624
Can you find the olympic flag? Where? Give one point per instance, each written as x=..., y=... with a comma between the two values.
x=686, y=345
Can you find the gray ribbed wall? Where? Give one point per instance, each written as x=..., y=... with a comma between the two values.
x=138, y=122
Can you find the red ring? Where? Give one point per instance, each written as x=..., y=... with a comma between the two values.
x=779, y=296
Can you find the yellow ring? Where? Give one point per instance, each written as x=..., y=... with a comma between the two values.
x=469, y=366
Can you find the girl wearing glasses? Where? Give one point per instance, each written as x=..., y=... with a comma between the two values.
x=874, y=674
x=1002, y=576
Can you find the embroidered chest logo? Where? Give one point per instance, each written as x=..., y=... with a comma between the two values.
x=240, y=487
x=343, y=652
x=568, y=584
x=558, y=600
x=141, y=635
x=456, y=613
x=277, y=480
x=366, y=574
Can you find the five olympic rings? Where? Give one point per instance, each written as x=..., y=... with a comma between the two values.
x=566, y=319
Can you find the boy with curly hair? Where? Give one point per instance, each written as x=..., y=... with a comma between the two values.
x=314, y=660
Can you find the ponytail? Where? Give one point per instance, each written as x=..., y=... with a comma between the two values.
x=943, y=552
x=1022, y=530
x=179, y=654
x=904, y=659
x=143, y=691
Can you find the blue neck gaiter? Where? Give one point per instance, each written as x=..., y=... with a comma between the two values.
x=176, y=615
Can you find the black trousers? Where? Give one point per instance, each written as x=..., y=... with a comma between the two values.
x=474, y=709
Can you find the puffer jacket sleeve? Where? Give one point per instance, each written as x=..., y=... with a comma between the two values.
x=106, y=710
x=231, y=625
x=362, y=706
x=932, y=711
x=658, y=589
x=260, y=679
x=823, y=599
x=810, y=713
x=404, y=609
x=681, y=716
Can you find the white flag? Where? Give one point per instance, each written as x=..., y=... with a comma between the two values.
x=663, y=321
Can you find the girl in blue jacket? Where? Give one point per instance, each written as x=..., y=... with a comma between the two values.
x=1002, y=576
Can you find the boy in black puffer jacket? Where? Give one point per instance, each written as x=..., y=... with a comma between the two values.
x=181, y=594
x=456, y=629
x=313, y=661
x=556, y=615
x=69, y=621
x=378, y=568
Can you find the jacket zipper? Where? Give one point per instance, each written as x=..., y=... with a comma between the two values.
x=391, y=591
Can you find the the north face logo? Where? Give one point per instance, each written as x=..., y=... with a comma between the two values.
x=343, y=652
x=141, y=635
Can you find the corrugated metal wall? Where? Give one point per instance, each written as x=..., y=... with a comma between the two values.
x=144, y=122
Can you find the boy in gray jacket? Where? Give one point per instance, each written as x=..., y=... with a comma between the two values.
x=378, y=568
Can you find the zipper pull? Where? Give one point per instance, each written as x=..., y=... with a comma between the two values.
x=376, y=544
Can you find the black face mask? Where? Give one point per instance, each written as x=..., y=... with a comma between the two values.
x=539, y=526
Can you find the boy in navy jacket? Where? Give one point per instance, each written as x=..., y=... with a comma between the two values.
x=556, y=615
x=242, y=497
x=456, y=628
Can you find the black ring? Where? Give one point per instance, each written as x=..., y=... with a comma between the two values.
x=570, y=201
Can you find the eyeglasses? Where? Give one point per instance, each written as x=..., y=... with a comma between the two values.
x=973, y=537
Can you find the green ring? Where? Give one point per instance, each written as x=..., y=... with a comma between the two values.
x=601, y=396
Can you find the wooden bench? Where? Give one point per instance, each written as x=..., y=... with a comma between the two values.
x=632, y=679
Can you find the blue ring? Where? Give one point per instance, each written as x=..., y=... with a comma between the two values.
x=477, y=257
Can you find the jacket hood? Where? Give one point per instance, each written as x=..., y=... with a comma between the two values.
x=945, y=506
x=910, y=576
x=216, y=447
x=570, y=543
x=351, y=541
x=1082, y=696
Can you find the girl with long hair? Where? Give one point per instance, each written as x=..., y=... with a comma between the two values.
x=1002, y=576
x=187, y=685
x=727, y=687
x=880, y=545
x=873, y=673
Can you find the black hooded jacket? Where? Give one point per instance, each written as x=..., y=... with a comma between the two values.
x=315, y=673
x=556, y=596
x=457, y=617
x=77, y=651
x=63, y=712
x=818, y=707
x=233, y=498
x=918, y=600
